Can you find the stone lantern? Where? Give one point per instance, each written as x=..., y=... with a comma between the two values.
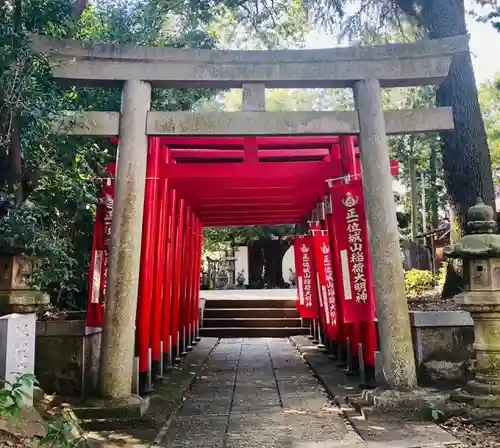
x=16, y=296
x=480, y=252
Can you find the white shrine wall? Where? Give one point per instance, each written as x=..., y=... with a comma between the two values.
x=288, y=263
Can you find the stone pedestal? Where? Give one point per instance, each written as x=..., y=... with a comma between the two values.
x=480, y=251
x=67, y=357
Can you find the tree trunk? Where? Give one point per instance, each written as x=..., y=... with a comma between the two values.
x=466, y=157
x=433, y=194
x=274, y=251
x=79, y=6
x=255, y=264
x=455, y=274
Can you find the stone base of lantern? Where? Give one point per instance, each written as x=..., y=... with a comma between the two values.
x=22, y=301
x=484, y=390
x=476, y=400
x=16, y=294
x=479, y=394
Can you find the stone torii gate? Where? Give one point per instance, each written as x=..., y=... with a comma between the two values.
x=364, y=69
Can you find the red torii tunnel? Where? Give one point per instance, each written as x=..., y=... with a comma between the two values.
x=223, y=183
x=197, y=182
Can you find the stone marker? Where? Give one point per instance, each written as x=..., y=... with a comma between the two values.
x=17, y=348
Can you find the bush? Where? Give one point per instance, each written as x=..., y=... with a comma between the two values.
x=60, y=433
x=417, y=281
x=442, y=274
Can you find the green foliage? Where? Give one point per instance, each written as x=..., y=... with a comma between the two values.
x=442, y=274
x=417, y=281
x=61, y=175
x=61, y=434
x=216, y=239
x=13, y=395
x=437, y=415
x=12, y=399
x=242, y=235
x=489, y=98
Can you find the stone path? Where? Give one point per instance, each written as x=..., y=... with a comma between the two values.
x=258, y=393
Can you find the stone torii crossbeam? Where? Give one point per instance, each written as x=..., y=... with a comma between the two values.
x=364, y=69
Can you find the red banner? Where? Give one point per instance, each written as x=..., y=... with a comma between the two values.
x=298, y=273
x=326, y=289
x=306, y=278
x=100, y=251
x=351, y=253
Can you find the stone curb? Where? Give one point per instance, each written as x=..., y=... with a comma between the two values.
x=346, y=394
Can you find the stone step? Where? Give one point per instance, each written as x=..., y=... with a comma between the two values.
x=219, y=313
x=247, y=322
x=249, y=303
x=245, y=332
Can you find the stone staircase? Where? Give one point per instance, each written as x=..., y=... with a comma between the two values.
x=248, y=318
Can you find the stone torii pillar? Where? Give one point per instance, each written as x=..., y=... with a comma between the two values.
x=392, y=310
x=118, y=335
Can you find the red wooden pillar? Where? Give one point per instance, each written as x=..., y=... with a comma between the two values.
x=188, y=245
x=169, y=275
x=145, y=293
x=184, y=279
x=176, y=280
x=191, y=280
x=198, y=277
x=348, y=154
x=158, y=275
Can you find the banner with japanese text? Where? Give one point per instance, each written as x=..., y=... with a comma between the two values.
x=326, y=288
x=100, y=253
x=306, y=278
x=351, y=253
x=299, y=277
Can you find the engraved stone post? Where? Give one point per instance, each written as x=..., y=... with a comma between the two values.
x=17, y=349
x=118, y=335
x=392, y=309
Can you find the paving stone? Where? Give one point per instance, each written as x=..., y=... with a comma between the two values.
x=282, y=429
x=402, y=434
x=305, y=401
x=198, y=431
x=206, y=406
x=258, y=393
x=231, y=341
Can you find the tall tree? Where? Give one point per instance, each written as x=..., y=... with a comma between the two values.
x=466, y=158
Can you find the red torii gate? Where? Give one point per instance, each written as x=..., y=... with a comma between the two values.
x=201, y=182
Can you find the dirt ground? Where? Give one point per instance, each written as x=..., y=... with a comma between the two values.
x=484, y=434
x=431, y=301
x=8, y=440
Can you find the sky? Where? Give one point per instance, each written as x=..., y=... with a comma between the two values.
x=484, y=44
